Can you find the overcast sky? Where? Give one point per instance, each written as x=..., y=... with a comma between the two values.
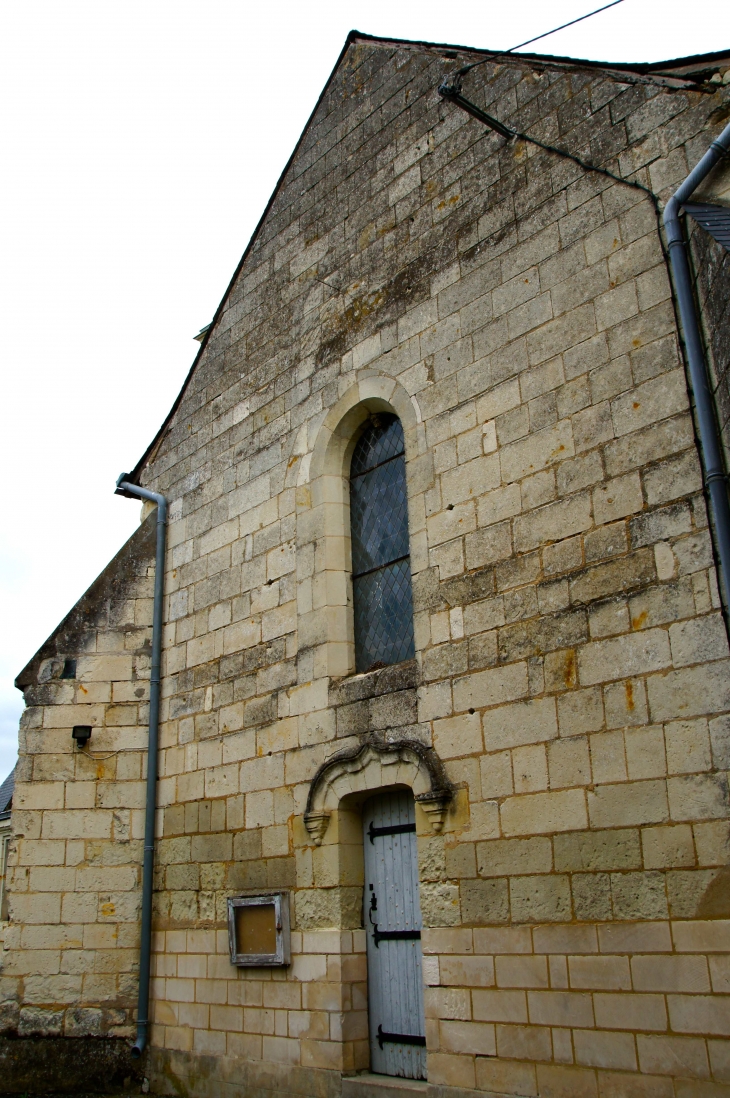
x=141, y=142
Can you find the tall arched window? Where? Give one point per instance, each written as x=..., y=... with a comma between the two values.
x=381, y=569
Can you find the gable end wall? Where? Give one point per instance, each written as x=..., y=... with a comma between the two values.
x=571, y=662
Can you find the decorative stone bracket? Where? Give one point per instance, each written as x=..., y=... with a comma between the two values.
x=374, y=765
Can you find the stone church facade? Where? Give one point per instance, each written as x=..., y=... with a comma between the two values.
x=564, y=722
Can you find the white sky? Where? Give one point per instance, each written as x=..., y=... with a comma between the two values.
x=141, y=143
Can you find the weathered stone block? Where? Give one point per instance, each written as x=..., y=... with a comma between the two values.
x=520, y=723
x=598, y=850
x=540, y=899
x=552, y=522
x=698, y=641
x=634, y=803
x=542, y=813
x=624, y=657
x=638, y=895
x=484, y=903
x=538, y=451
x=673, y=1055
x=491, y=687
x=625, y=574
x=503, y=857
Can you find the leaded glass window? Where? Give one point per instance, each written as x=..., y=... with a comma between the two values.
x=381, y=570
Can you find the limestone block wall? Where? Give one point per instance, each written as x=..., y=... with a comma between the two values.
x=71, y=949
x=573, y=1009
x=313, y=1015
x=571, y=664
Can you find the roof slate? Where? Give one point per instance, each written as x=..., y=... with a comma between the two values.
x=6, y=794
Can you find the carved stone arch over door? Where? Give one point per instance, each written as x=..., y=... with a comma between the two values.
x=373, y=765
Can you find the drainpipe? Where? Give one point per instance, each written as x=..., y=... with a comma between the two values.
x=125, y=488
x=714, y=468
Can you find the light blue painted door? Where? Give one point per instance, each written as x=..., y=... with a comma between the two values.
x=393, y=927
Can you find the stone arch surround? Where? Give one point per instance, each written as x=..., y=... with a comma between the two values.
x=323, y=518
x=374, y=765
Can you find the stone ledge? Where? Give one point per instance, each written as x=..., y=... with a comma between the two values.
x=369, y=1085
x=371, y=684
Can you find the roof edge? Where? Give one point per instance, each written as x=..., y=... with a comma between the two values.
x=151, y=450
x=639, y=68
x=139, y=544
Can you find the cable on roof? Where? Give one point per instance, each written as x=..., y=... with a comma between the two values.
x=537, y=38
x=452, y=93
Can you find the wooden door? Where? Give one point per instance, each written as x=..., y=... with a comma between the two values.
x=393, y=928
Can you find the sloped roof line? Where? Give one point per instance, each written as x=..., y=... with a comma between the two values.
x=714, y=219
x=69, y=633
x=662, y=70
x=151, y=450
x=639, y=68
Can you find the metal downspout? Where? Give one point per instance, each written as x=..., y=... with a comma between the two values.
x=124, y=487
x=711, y=449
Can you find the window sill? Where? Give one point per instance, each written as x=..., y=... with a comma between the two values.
x=372, y=684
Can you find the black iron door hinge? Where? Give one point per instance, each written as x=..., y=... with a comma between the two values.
x=395, y=935
x=400, y=1038
x=393, y=829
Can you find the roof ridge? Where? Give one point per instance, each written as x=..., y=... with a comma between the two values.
x=639, y=67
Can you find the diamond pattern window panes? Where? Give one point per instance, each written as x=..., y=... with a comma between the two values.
x=379, y=516
x=383, y=616
x=381, y=440
x=380, y=550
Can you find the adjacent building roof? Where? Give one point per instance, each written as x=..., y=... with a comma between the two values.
x=715, y=219
x=6, y=795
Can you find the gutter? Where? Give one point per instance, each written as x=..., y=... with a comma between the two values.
x=125, y=488
x=709, y=436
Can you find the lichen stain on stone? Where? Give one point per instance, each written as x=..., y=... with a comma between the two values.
x=398, y=290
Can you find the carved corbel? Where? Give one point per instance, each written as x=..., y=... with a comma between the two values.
x=435, y=805
x=316, y=824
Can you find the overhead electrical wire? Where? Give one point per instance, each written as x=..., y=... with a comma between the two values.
x=467, y=68
x=564, y=25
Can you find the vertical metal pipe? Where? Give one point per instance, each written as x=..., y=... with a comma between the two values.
x=710, y=445
x=124, y=487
